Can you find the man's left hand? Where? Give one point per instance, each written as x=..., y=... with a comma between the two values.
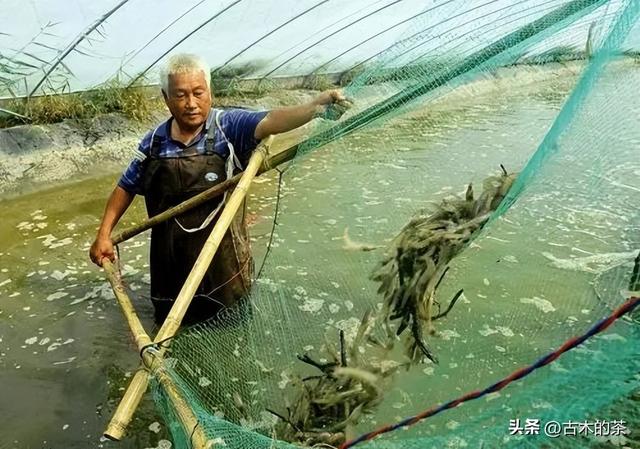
x=331, y=104
x=330, y=97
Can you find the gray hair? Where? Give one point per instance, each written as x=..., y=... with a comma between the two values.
x=183, y=63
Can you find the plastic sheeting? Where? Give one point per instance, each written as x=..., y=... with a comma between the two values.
x=54, y=45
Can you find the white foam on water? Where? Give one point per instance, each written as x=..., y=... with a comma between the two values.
x=58, y=275
x=162, y=444
x=613, y=337
x=311, y=305
x=25, y=226
x=284, y=380
x=591, y=264
x=452, y=425
x=487, y=330
x=492, y=396
x=350, y=327
x=64, y=362
x=129, y=270
x=103, y=291
x=540, y=303
x=56, y=295
x=448, y=334
x=558, y=368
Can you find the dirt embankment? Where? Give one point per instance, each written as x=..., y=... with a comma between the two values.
x=35, y=156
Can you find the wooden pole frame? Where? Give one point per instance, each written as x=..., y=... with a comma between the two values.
x=142, y=340
x=152, y=360
x=197, y=200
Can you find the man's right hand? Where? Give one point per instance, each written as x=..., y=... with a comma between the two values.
x=118, y=202
x=102, y=247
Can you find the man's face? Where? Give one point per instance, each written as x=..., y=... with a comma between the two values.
x=188, y=99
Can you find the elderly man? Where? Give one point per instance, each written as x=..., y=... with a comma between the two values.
x=192, y=151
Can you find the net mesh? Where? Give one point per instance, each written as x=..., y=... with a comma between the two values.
x=456, y=97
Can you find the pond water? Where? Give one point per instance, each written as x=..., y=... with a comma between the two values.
x=65, y=350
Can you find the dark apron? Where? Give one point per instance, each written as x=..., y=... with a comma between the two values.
x=168, y=182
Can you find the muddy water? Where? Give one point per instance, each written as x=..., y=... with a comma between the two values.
x=65, y=352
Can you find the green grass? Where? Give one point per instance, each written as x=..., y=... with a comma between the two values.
x=136, y=103
x=317, y=82
x=557, y=54
x=229, y=81
x=349, y=76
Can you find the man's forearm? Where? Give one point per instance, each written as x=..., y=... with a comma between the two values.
x=118, y=203
x=285, y=119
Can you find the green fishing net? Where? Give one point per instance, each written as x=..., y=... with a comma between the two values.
x=470, y=86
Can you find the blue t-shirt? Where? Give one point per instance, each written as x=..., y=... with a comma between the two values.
x=239, y=126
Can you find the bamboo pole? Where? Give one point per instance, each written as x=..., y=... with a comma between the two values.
x=184, y=413
x=198, y=438
x=138, y=385
x=137, y=329
x=177, y=312
x=116, y=427
x=268, y=164
x=197, y=200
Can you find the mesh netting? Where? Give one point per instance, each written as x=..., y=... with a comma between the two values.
x=445, y=106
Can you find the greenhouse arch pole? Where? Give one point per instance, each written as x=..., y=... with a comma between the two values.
x=544, y=10
x=410, y=37
x=319, y=32
x=499, y=47
x=541, y=11
x=269, y=34
x=79, y=38
x=378, y=34
x=527, y=10
x=184, y=38
x=177, y=19
x=330, y=35
x=417, y=34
